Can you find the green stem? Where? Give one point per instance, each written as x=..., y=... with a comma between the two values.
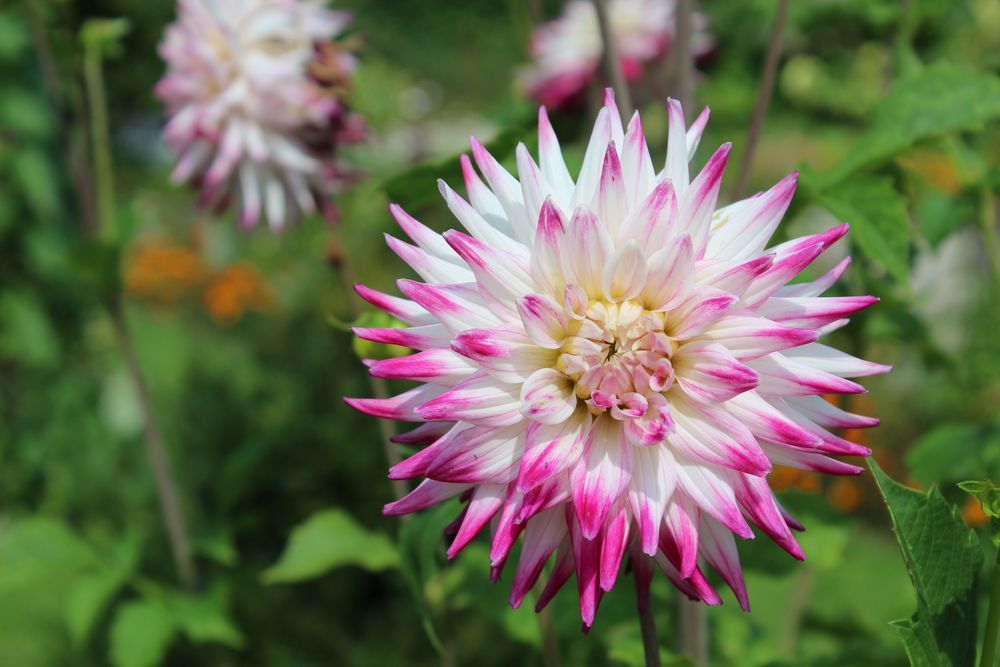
x=100, y=140
x=764, y=91
x=988, y=229
x=992, y=621
x=693, y=630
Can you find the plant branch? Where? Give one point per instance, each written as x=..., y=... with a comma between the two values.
x=693, y=630
x=647, y=625
x=100, y=143
x=612, y=61
x=764, y=91
x=166, y=487
x=988, y=230
x=988, y=657
x=683, y=55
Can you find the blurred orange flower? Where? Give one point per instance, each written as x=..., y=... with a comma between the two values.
x=782, y=477
x=235, y=290
x=845, y=494
x=162, y=272
x=973, y=513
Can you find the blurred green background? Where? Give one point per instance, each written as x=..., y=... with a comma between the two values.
x=888, y=107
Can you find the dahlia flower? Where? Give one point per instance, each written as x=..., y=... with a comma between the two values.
x=254, y=90
x=567, y=50
x=610, y=365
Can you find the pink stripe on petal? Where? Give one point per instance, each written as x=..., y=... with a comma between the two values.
x=677, y=154
x=698, y=202
x=669, y=274
x=698, y=313
x=548, y=396
x=710, y=435
x=427, y=493
x=651, y=487
x=549, y=450
x=417, y=338
x=652, y=223
x=422, y=235
x=584, y=252
x=402, y=407
x=811, y=461
x=441, y=366
x=610, y=203
x=826, y=414
x=544, y=320
x=757, y=501
x=480, y=400
x=749, y=337
x=422, y=435
x=707, y=372
x=780, y=376
x=768, y=422
x=637, y=166
x=401, y=309
x=613, y=544
x=713, y=494
x=563, y=570
x=719, y=548
x=506, y=530
x=587, y=555
x=601, y=476
x=541, y=537
x=485, y=502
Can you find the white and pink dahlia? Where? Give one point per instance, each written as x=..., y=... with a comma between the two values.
x=255, y=92
x=611, y=365
x=567, y=51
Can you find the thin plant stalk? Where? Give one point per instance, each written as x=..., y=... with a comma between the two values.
x=693, y=630
x=797, y=606
x=765, y=90
x=104, y=197
x=647, y=625
x=612, y=62
x=988, y=657
x=683, y=54
x=550, y=647
x=100, y=144
x=988, y=230
x=166, y=487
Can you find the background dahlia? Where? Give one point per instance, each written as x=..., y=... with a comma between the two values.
x=610, y=365
x=566, y=51
x=255, y=94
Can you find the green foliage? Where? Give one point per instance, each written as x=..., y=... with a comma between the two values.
x=879, y=222
x=366, y=349
x=141, y=634
x=940, y=99
x=326, y=540
x=943, y=557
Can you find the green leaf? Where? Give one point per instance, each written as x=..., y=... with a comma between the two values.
x=943, y=558
x=141, y=633
x=416, y=186
x=204, y=618
x=952, y=452
x=941, y=99
x=326, y=540
x=880, y=225
x=87, y=600
x=26, y=333
x=100, y=35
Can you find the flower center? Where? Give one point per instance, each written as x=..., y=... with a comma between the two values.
x=618, y=356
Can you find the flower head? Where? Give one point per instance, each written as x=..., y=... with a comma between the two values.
x=610, y=365
x=567, y=50
x=254, y=90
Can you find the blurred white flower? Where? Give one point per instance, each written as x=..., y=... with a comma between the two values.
x=255, y=94
x=567, y=50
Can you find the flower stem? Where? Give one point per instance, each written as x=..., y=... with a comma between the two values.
x=100, y=142
x=684, y=55
x=104, y=213
x=988, y=229
x=550, y=647
x=613, y=63
x=647, y=624
x=693, y=631
x=988, y=657
x=764, y=91
x=166, y=487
